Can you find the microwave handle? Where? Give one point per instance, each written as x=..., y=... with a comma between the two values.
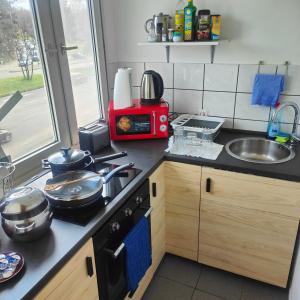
x=154, y=122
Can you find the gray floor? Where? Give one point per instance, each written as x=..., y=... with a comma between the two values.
x=181, y=279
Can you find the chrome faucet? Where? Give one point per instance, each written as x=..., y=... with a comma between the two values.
x=294, y=137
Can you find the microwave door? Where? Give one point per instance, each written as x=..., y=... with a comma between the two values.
x=154, y=123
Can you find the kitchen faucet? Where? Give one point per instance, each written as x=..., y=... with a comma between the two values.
x=294, y=138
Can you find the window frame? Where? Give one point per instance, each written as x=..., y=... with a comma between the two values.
x=58, y=81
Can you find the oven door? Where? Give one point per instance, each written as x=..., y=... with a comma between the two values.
x=110, y=256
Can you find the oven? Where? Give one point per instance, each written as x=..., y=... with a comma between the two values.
x=109, y=249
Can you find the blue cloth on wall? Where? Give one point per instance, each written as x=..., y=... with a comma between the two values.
x=267, y=89
x=138, y=253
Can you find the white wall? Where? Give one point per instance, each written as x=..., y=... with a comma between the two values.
x=258, y=29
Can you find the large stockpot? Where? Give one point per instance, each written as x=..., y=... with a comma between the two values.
x=77, y=189
x=26, y=214
x=68, y=159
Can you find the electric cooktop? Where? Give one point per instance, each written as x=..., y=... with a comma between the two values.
x=82, y=216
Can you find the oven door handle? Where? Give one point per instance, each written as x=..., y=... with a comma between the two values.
x=116, y=253
x=148, y=212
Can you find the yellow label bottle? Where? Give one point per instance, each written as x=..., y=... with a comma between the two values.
x=189, y=21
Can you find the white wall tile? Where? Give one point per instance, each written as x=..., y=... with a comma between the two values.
x=136, y=92
x=165, y=70
x=112, y=69
x=247, y=75
x=168, y=96
x=187, y=101
x=292, y=79
x=220, y=77
x=250, y=125
x=267, y=69
x=245, y=110
x=228, y=123
x=219, y=104
x=111, y=94
x=288, y=113
x=286, y=128
x=188, y=76
x=137, y=71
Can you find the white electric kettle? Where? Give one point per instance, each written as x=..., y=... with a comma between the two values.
x=122, y=89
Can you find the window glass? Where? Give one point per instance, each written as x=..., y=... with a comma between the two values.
x=82, y=62
x=26, y=124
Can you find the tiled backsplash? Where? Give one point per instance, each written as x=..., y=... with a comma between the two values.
x=220, y=89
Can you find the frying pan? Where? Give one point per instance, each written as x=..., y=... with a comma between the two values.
x=77, y=189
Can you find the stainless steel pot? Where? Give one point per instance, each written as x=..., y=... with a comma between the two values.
x=26, y=214
x=68, y=159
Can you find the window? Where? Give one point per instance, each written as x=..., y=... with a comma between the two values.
x=61, y=84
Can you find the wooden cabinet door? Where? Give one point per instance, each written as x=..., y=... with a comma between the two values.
x=73, y=281
x=247, y=225
x=157, y=201
x=182, y=209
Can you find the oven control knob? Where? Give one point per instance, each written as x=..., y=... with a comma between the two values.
x=115, y=226
x=128, y=212
x=163, y=118
x=139, y=200
x=163, y=128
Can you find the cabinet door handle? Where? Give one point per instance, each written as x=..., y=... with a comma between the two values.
x=154, y=191
x=208, y=185
x=89, y=266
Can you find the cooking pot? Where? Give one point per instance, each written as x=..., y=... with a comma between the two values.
x=76, y=189
x=68, y=159
x=26, y=214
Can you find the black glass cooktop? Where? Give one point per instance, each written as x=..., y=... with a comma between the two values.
x=111, y=189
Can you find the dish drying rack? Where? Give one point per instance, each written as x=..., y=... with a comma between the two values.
x=205, y=127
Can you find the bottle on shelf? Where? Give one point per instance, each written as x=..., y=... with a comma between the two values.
x=179, y=20
x=189, y=21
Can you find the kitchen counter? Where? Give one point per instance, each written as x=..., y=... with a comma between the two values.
x=44, y=257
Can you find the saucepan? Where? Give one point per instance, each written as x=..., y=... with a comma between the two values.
x=68, y=159
x=77, y=189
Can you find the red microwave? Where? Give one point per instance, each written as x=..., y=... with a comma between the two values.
x=138, y=122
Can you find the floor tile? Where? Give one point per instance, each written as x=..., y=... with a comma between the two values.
x=181, y=270
x=220, y=283
x=165, y=289
x=254, y=290
x=199, y=295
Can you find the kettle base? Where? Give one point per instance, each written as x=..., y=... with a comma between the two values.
x=150, y=101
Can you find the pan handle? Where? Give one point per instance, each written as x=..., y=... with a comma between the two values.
x=108, y=177
x=109, y=157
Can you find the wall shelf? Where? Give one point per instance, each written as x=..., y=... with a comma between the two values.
x=167, y=45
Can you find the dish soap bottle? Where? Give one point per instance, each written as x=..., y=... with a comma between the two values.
x=273, y=126
x=189, y=21
x=179, y=20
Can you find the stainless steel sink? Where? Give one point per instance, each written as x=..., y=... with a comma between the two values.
x=259, y=150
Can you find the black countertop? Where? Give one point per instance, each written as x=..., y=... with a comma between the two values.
x=44, y=257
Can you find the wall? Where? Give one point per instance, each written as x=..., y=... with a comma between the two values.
x=258, y=29
x=223, y=90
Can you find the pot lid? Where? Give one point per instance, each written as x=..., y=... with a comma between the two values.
x=66, y=156
x=87, y=185
x=22, y=200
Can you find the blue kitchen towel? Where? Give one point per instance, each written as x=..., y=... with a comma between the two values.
x=267, y=89
x=138, y=253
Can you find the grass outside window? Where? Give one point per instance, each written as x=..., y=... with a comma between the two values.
x=10, y=85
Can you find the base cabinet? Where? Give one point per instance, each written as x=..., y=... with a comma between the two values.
x=73, y=281
x=248, y=225
x=182, y=209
